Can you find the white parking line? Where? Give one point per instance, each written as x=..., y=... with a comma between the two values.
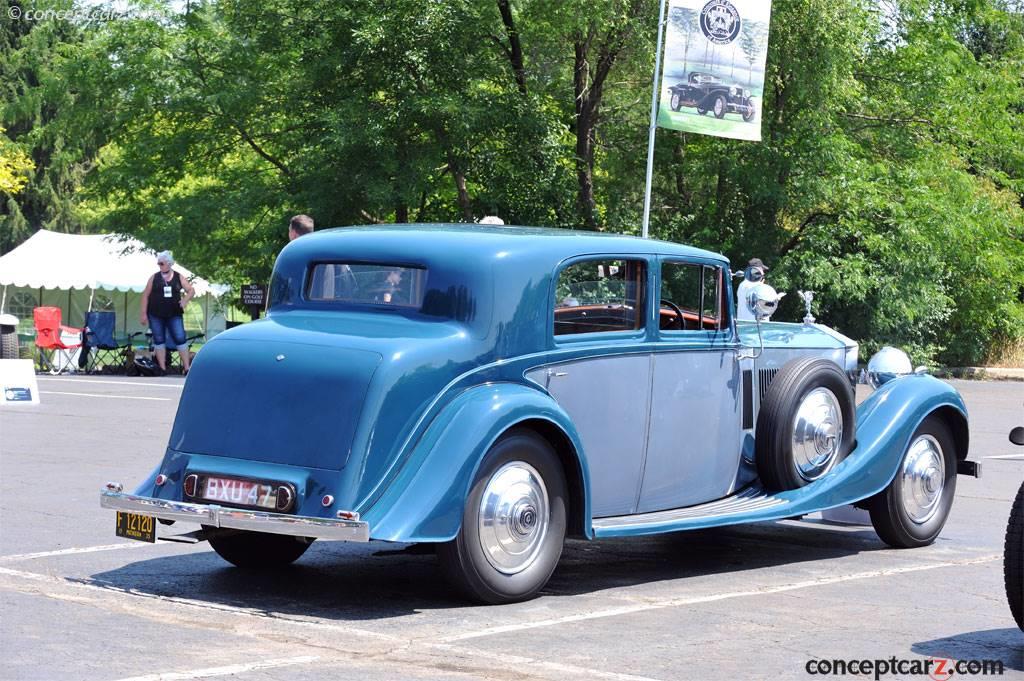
x=1006, y=456
x=109, y=397
x=519, y=662
x=225, y=671
x=675, y=602
x=83, y=549
x=58, y=379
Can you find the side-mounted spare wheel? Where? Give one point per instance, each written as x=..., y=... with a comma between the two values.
x=513, y=522
x=805, y=425
x=912, y=510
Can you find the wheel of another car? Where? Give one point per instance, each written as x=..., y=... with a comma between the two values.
x=513, y=522
x=805, y=424
x=701, y=111
x=750, y=112
x=911, y=511
x=8, y=342
x=676, y=101
x=1013, y=559
x=258, y=550
x=718, y=106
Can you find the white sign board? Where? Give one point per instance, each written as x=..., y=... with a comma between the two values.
x=18, y=384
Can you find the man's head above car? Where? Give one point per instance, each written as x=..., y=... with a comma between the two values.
x=298, y=226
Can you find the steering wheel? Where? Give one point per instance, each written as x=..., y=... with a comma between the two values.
x=679, y=321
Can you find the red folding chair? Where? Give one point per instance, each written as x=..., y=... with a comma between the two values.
x=55, y=343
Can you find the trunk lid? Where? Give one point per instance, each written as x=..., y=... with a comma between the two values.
x=284, y=400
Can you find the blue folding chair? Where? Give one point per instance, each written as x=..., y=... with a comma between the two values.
x=99, y=346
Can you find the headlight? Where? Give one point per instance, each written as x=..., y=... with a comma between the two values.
x=763, y=300
x=887, y=364
x=746, y=94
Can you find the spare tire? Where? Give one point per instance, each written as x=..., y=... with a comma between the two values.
x=805, y=425
x=8, y=342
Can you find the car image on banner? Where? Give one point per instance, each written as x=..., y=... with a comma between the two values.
x=713, y=80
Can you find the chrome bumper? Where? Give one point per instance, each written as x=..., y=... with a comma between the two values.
x=236, y=518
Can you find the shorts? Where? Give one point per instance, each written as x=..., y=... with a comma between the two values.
x=167, y=331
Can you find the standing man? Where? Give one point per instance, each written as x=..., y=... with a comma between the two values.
x=298, y=226
x=753, y=276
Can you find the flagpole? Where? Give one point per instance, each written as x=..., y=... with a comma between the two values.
x=654, y=121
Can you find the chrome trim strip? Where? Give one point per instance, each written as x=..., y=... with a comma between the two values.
x=238, y=518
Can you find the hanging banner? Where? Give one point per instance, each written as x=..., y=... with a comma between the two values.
x=713, y=80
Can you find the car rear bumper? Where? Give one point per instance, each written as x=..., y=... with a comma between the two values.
x=237, y=518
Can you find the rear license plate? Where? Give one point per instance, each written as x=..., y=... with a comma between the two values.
x=136, y=526
x=239, y=492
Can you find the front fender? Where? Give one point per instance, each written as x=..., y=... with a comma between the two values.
x=885, y=423
x=425, y=501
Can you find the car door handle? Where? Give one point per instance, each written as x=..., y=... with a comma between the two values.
x=551, y=373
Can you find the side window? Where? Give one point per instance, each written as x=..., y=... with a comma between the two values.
x=691, y=298
x=600, y=295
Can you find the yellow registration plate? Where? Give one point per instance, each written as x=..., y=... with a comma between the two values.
x=136, y=526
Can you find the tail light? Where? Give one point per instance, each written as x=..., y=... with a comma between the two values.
x=160, y=480
x=191, y=482
x=327, y=500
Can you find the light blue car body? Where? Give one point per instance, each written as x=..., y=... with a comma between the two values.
x=390, y=411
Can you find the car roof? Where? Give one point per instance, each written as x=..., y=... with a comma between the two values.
x=440, y=242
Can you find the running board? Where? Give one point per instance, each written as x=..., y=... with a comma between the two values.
x=750, y=504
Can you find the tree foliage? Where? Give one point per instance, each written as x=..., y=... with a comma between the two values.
x=890, y=179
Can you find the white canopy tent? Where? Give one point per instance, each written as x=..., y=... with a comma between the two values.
x=82, y=272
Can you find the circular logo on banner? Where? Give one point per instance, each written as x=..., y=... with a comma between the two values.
x=720, y=22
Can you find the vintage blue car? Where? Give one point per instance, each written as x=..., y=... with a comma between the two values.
x=493, y=390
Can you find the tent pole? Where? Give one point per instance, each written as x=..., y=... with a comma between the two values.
x=3, y=300
x=124, y=319
x=206, y=313
x=92, y=292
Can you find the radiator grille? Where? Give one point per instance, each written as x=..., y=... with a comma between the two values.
x=764, y=380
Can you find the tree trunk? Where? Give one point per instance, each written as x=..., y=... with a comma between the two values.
x=586, y=113
x=515, y=48
x=460, y=188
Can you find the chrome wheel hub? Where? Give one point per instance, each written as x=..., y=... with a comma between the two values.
x=817, y=434
x=513, y=517
x=924, y=478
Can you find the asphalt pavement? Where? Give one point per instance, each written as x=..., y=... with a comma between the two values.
x=748, y=602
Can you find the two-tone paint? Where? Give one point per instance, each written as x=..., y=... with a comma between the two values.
x=389, y=411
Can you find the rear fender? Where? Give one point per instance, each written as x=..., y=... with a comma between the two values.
x=425, y=501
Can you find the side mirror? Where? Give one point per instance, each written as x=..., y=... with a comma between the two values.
x=1017, y=435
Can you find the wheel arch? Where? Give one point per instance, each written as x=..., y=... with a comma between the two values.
x=571, y=466
x=957, y=423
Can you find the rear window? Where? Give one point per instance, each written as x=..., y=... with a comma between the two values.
x=363, y=284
